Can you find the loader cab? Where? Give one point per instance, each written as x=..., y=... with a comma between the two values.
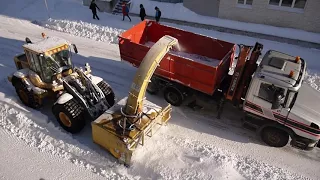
x=275, y=85
x=49, y=58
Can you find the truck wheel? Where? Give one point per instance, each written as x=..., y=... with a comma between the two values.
x=69, y=115
x=108, y=92
x=274, y=137
x=25, y=95
x=152, y=88
x=173, y=96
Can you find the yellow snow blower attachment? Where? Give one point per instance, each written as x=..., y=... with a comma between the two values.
x=126, y=125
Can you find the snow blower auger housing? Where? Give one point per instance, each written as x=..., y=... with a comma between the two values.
x=123, y=127
x=45, y=72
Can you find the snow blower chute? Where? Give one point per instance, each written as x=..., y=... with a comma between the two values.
x=126, y=125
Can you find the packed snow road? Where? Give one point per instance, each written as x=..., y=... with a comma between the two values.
x=192, y=146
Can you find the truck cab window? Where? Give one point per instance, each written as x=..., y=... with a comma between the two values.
x=267, y=91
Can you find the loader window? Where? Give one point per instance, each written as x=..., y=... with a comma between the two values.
x=62, y=58
x=47, y=70
x=34, y=62
x=267, y=91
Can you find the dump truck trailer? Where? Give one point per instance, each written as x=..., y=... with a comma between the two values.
x=267, y=93
x=196, y=65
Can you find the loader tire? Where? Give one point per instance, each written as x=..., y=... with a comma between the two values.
x=70, y=116
x=274, y=137
x=108, y=92
x=173, y=96
x=26, y=96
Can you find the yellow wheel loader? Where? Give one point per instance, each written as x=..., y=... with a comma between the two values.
x=45, y=71
x=126, y=125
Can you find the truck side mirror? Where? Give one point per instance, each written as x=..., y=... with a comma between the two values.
x=75, y=48
x=277, y=100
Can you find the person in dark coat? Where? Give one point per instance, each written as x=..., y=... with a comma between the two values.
x=142, y=12
x=158, y=14
x=125, y=11
x=93, y=7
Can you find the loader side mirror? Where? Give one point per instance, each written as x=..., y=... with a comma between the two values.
x=28, y=41
x=277, y=100
x=75, y=48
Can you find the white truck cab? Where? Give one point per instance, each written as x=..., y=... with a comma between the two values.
x=279, y=105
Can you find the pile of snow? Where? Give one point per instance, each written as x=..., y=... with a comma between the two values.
x=84, y=29
x=179, y=12
x=313, y=79
x=193, y=159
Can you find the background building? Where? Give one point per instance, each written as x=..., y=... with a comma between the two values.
x=299, y=14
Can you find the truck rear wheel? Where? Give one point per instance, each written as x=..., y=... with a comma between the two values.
x=173, y=96
x=25, y=95
x=153, y=87
x=70, y=116
x=274, y=137
x=108, y=92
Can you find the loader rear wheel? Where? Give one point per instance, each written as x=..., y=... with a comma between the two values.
x=274, y=137
x=70, y=116
x=108, y=92
x=25, y=95
x=173, y=96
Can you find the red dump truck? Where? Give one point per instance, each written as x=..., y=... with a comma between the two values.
x=267, y=93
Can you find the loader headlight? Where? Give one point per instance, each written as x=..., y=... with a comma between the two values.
x=87, y=67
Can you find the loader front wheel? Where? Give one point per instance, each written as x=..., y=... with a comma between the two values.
x=70, y=116
x=173, y=96
x=274, y=137
x=25, y=95
x=108, y=92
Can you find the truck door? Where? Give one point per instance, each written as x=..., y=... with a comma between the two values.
x=264, y=97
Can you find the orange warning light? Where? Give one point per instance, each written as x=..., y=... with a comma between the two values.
x=291, y=74
x=43, y=35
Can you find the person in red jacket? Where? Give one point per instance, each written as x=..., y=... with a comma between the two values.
x=125, y=11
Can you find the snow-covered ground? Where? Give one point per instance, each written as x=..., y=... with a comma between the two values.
x=194, y=145
x=178, y=12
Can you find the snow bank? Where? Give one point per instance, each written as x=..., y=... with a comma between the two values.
x=313, y=79
x=179, y=12
x=84, y=29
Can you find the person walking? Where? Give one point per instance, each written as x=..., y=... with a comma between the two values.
x=142, y=12
x=93, y=7
x=125, y=11
x=158, y=14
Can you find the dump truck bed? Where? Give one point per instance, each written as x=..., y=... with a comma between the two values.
x=200, y=63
